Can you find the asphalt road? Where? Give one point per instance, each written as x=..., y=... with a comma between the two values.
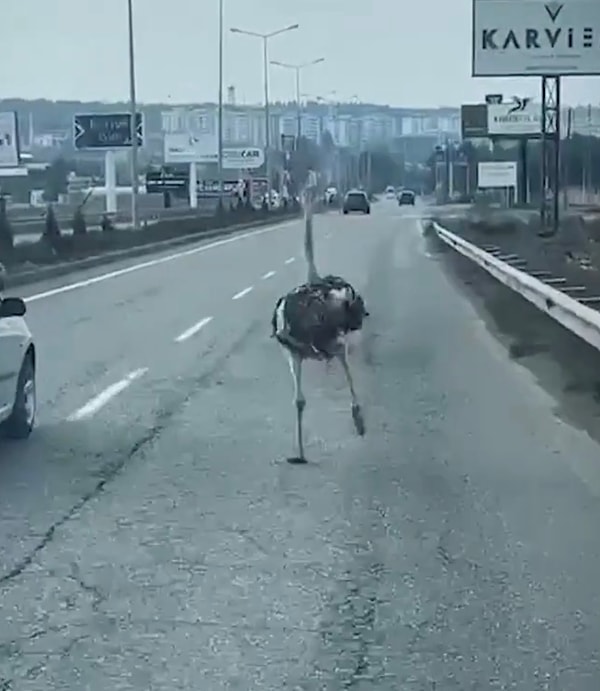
x=153, y=537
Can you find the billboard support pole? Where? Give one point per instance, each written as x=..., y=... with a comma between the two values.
x=524, y=186
x=550, y=208
x=193, y=191
x=110, y=181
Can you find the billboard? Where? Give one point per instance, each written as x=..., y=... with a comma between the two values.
x=249, y=157
x=474, y=121
x=9, y=140
x=187, y=148
x=106, y=131
x=496, y=174
x=521, y=118
x=527, y=38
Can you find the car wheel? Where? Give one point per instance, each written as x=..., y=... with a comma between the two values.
x=368, y=211
x=345, y=211
x=22, y=419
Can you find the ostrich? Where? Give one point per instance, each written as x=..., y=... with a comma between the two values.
x=312, y=322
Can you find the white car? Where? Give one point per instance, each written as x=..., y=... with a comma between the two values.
x=17, y=371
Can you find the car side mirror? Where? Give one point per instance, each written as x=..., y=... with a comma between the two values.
x=12, y=307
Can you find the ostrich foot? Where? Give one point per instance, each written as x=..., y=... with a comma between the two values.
x=359, y=420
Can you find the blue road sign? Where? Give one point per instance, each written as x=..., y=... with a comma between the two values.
x=106, y=131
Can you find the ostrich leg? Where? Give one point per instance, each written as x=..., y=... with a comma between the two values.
x=357, y=415
x=300, y=402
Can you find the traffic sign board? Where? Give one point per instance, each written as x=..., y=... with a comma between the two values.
x=106, y=131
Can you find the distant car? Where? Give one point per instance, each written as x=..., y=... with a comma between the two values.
x=331, y=195
x=17, y=370
x=356, y=200
x=390, y=192
x=406, y=197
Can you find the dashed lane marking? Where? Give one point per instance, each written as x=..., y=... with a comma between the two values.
x=99, y=401
x=193, y=330
x=242, y=293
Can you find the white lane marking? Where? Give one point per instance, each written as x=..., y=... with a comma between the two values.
x=152, y=262
x=98, y=402
x=193, y=330
x=241, y=294
x=269, y=274
x=290, y=260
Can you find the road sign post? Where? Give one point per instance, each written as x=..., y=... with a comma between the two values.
x=193, y=186
x=110, y=181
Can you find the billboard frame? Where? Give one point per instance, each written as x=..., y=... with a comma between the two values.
x=553, y=10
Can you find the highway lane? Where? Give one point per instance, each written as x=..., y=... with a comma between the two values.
x=454, y=544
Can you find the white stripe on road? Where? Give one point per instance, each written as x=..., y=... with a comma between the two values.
x=193, y=330
x=269, y=274
x=290, y=260
x=98, y=402
x=152, y=262
x=241, y=294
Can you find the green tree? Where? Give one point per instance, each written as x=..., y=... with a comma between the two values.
x=57, y=179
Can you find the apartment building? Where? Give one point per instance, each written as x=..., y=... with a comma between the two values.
x=246, y=124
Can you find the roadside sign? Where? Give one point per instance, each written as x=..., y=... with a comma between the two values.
x=243, y=158
x=528, y=38
x=190, y=148
x=9, y=140
x=474, y=121
x=167, y=181
x=494, y=98
x=99, y=131
x=521, y=118
x=497, y=174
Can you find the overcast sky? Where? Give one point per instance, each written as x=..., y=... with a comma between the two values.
x=385, y=51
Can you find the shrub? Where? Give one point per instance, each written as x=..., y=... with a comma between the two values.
x=51, y=235
x=106, y=224
x=79, y=223
x=7, y=241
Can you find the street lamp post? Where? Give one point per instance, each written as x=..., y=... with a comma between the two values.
x=220, y=108
x=297, y=68
x=265, y=41
x=133, y=115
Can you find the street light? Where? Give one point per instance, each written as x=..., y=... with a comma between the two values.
x=297, y=68
x=220, y=108
x=133, y=115
x=265, y=40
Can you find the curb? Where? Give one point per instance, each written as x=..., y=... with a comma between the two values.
x=65, y=268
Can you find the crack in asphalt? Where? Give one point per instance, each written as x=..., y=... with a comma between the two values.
x=111, y=470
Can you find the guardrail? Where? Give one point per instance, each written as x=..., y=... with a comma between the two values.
x=581, y=320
